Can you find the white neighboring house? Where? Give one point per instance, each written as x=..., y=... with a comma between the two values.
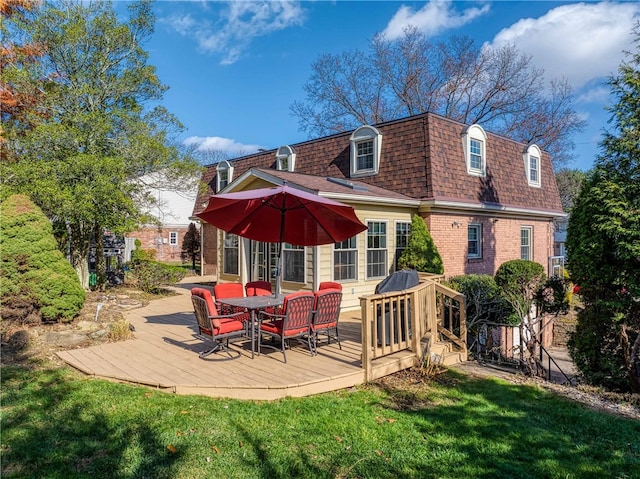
x=173, y=210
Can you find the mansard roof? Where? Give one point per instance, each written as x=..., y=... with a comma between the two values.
x=422, y=158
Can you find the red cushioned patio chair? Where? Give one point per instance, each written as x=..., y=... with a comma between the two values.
x=329, y=285
x=292, y=322
x=258, y=288
x=228, y=290
x=215, y=327
x=326, y=312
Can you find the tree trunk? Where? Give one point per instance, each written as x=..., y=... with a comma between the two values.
x=79, y=253
x=630, y=353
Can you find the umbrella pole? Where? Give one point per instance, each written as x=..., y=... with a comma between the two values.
x=282, y=220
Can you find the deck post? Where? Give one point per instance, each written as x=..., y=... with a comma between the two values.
x=365, y=318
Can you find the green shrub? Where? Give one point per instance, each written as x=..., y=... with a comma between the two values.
x=34, y=271
x=520, y=281
x=596, y=349
x=483, y=299
x=150, y=276
x=421, y=253
x=139, y=254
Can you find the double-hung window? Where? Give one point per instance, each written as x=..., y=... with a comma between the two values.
x=231, y=254
x=293, y=263
x=403, y=231
x=474, y=233
x=224, y=174
x=345, y=260
x=173, y=238
x=526, y=243
x=475, y=155
x=532, y=156
x=376, y=249
x=364, y=154
x=286, y=158
x=474, y=144
x=366, y=147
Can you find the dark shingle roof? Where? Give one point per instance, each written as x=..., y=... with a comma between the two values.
x=422, y=158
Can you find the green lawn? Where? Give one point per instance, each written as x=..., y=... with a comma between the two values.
x=59, y=424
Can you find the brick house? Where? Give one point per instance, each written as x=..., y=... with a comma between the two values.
x=165, y=238
x=485, y=199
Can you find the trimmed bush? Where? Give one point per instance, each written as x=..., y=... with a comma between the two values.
x=35, y=275
x=520, y=281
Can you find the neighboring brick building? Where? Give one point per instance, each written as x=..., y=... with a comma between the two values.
x=484, y=198
x=165, y=240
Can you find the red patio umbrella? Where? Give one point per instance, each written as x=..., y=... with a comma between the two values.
x=282, y=215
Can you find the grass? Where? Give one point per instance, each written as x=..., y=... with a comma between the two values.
x=58, y=424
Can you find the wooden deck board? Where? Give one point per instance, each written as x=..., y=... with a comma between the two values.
x=164, y=354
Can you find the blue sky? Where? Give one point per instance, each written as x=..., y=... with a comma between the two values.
x=234, y=68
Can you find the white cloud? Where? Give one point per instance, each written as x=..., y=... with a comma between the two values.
x=239, y=23
x=580, y=42
x=599, y=94
x=435, y=17
x=219, y=144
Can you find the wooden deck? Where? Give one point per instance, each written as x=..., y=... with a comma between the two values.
x=164, y=355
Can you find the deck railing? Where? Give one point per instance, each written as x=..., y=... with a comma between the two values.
x=399, y=320
x=452, y=315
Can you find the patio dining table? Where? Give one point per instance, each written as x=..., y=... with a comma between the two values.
x=253, y=304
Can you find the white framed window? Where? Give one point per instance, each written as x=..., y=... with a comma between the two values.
x=293, y=263
x=474, y=144
x=345, y=260
x=403, y=231
x=224, y=175
x=366, y=146
x=286, y=158
x=532, y=159
x=230, y=262
x=474, y=235
x=173, y=238
x=376, y=249
x=526, y=243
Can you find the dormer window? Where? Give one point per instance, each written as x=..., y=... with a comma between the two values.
x=286, y=158
x=532, y=158
x=474, y=141
x=366, y=145
x=224, y=174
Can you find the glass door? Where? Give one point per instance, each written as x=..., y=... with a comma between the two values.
x=264, y=261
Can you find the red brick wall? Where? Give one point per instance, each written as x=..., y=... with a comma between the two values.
x=500, y=242
x=157, y=240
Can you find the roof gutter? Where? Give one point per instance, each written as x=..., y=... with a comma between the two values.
x=494, y=209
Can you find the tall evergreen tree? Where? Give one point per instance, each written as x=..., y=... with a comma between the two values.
x=603, y=245
x=421, y=253
x=191, y=245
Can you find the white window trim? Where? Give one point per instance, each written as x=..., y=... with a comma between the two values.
x=287, y=153
x=365, y=133
x=356, y=266
x=475, y=132
x=479, y=254
x=530, y=229
x=289, y=247
x=224, y=256
x=173, y=238
x=223, y=166
x=367, y=249
x=534, y=151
